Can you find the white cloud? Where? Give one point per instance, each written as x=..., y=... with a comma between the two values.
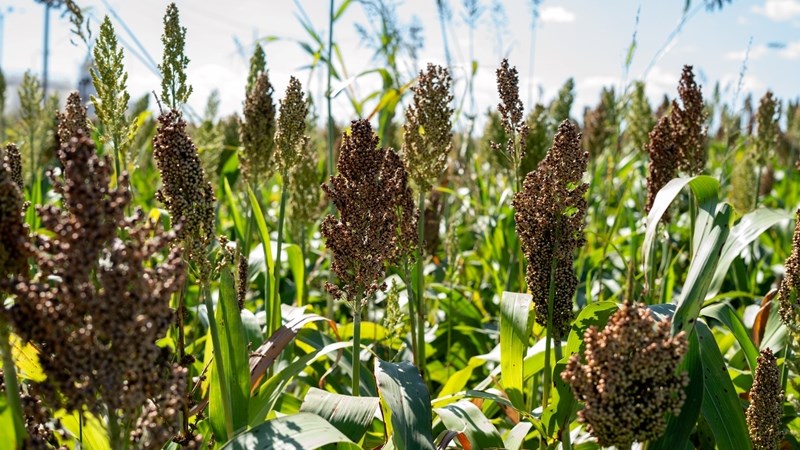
x=791, y=51
x=755, y=53
x=779, y=10
x=556, y=14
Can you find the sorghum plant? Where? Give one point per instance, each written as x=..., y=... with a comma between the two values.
x=376, y=221
x=626, y=377
x=257, y=131
x=174, y=90
x=512, y=118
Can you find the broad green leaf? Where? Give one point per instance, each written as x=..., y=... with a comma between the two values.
x=725, y=314
x=297, y=266
x=302, y=431
x=701, y=270
x=465, y=417
x=350, y=415
x=514, y=332
x=676, y=436
x=406, y=403
x=265, y=397
x=516, y=436
x=26, y=359
x=92, y=429
x=749, y=228
x=706, y=192
x=370, y=331
x=595, y=314
x=721, y=406
x=234, y=356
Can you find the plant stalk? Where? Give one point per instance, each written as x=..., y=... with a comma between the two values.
x=10, y=378
x=356, y=348
x=276, y=302
x=330, y=305
x=421, y=286
x=549, y=334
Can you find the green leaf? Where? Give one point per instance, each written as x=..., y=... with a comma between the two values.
x=463, y=416
x=274, y=308
x=516, y=436
x=7, y=423
x=514, y=332
x=721, y=406
x=350, y=415
x=93, y=430
x=262, y=403
x=725, y=314
x=701, y=270
x=676, y=436
x=595, y=314
x=749, y=228
x=297, y=266
x=342, y=8
x=406, y=401
x=234, y=356
x=238, y=221
x=706, y=192
x=303, y=431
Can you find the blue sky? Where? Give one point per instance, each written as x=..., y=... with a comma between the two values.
x=584, y=39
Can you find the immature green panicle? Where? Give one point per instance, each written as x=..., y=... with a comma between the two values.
x=32, y=119
x=185, y=191
x=257, y=131
x=599, y=123
x=549, y=215
x=562, y=104
x=290, y=137
x=258, y=65
x=174, y=90
x=110, y=79
x=766, y=404
x=427, y=133
x=369, y=190
x=73, y=119
x=626, y=377
x=640, y=118
x=304, y=197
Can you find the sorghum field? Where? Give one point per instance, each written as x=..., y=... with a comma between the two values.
x=278, y=279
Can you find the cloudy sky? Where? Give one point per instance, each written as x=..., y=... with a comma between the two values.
x=584, y=39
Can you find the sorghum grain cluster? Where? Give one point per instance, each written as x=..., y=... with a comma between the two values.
x=766, y=404
x=257, y=131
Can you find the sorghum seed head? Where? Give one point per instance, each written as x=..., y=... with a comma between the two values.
x=72, y=119
x=549, y=215
x=290, y=137
x=377, y=215
x=427, y=133
x=257, y=131
x=14, y=246
x=628, y=378
x=688, y=124
x=663, y=160
x=766, y=404
x=768, y=131
x=511, y=114
x=185, y=191
x=12, y=162
x=791, y=281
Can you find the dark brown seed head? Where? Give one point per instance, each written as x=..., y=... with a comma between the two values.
x=14, y=246
x=376, y=214
x=12, y=163
x=689, y=125
x=627, y=377
x=185, y=191
x=766, y=404
x=72, y=119
x=549, y=215
x=257, y=131
x=511, y=114
x=663, y=153
x=290, y=137
x=791, y=281
x=427, y=133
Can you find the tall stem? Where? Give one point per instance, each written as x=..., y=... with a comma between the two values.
x=182, y=356
x=328, y=98
x=219, y=365
x=421, y=286
x=412, y=299
x=10, y=377
x=551, y=294
x=275, y=319
x=356, y=347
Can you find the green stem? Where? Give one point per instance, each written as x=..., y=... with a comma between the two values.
x=276, y=302
x=328, y=92
x=356, y=348
x=303, y=251
x=182, y=355
x=12, y=387
x=412, y=298
x=421, y=286
x=549, y=334
x=786, y=359
x=218, y=363
x=114, y=431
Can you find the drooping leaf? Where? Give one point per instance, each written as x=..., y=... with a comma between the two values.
x=725, y=314
x=406, y=405
x=302, y=431
x=467, y=418
x=350, y=415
